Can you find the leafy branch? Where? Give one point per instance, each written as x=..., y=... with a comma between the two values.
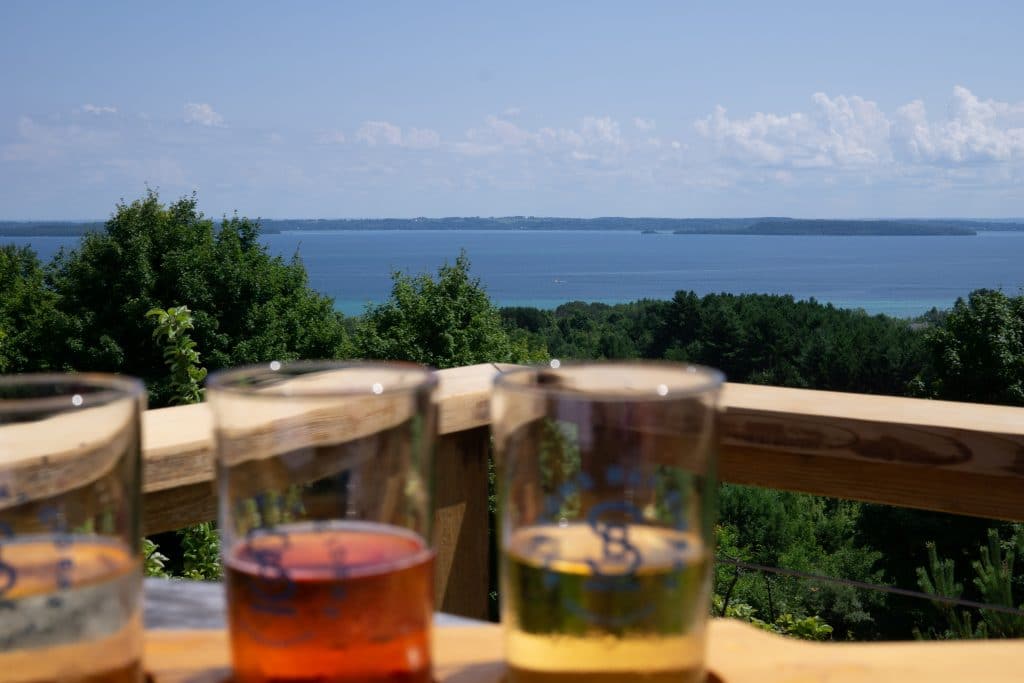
x=200, y=544
x=180, y=355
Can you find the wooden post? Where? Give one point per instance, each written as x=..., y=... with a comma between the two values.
x=462, y=569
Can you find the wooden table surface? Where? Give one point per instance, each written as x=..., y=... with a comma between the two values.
x=186, y=643
x=737, y=653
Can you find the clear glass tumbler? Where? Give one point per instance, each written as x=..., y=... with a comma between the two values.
x=606, y=478
x=324, y=474
x=70, y=568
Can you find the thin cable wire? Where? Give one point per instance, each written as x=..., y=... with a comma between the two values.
x=960, y=602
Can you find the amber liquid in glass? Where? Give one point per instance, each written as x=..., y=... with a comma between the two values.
x=334, y=601
x=587, y=608
x=70, y=610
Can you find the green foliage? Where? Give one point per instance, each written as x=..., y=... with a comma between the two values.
x=246, y=305
x=763, y=339
x=201, y=551
x=559, y=463
x=199, y=544
x=899, y=535
x=994, y=580
x=804, y=533
x=180, y=353
x=443, y=323
x=805, y=628
x=978, y=354
x=581, y=330
x=939, y=579
x=30, y=324
x=154, y=561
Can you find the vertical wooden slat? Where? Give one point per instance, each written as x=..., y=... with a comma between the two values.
x=462, y=568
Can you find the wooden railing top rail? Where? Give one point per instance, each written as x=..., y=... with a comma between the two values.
x=964, y=458
x=937, y=455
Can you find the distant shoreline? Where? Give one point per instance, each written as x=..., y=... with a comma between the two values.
x=780, y=226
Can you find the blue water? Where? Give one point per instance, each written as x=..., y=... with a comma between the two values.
x=901, y=276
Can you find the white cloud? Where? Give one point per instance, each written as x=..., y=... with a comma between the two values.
x=497, y=134
x=602, y=130
x=549, y=138
x=375, y=133
x=643, y=124
x=202, y=114
x=507, y=133
x=595, y=138
x=421, y=138
x=853, y=133
x=331, y=137
x=94, y=109
x=676, y=145
x=839, y=131
x=975, y=131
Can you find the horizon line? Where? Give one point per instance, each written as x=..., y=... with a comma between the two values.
x=571, y=218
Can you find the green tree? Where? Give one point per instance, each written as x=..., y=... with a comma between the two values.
x=444, y=322
x=805, y=533
x=31, y=327
x=994, y=580
x=978, y=354
x=247, y=306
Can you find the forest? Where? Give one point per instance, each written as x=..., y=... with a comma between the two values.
x=166, y=294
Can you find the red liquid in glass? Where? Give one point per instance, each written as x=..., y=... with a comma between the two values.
x=345, y=602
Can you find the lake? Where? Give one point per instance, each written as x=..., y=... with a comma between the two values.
x=902, y=276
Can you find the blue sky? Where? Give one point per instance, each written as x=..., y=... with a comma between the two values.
x=547, y=108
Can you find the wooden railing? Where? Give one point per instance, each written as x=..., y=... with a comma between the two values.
x=936, y=455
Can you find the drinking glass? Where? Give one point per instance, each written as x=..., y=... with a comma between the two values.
x=70, y=568
x=607, y=496
x=324, y=473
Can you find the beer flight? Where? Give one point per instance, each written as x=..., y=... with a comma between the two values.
x=325, y=473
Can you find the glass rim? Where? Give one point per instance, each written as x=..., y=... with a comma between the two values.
x=110, y=387
x=223, y=381
x=711, y=380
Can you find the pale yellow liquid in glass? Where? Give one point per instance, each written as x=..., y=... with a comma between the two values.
x=582, y=610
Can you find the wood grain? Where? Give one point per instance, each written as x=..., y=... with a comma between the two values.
x=737, y=653
x=462, y=568
x=65, y=452
x=962, y=458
